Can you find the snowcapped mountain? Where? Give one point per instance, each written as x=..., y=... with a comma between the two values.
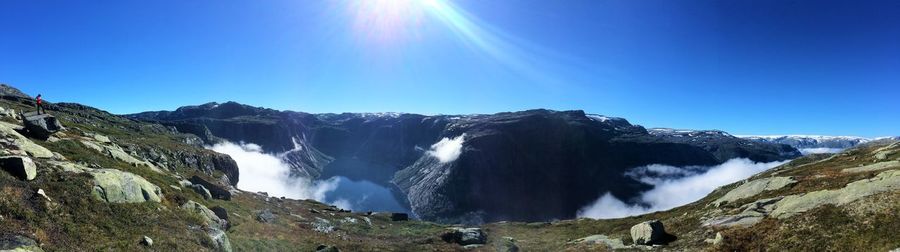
x=812, y=144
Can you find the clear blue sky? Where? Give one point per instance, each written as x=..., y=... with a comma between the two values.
x=747, y=67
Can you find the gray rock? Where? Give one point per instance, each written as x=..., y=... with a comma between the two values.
x=601, y=240
x=265, y=216
x=17, y=243
x=146, y=241
x=465, y=236
x=215, y=226
x=23, y=143
x=200, y=189
x=40, y=126
x=217, y=191
x=752, y=214
x=102, y=138
x=795, y=204
x=21, y=167
x=650, y=233
x=753, y=188
x=222, y=214
x=115, y=186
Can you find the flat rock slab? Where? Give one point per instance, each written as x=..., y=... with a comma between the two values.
x=796, y=204
x=753, y=188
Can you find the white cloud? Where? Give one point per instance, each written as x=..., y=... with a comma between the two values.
x=261, y=172
x=673, y=187
x=447, y=150
x=807, y=151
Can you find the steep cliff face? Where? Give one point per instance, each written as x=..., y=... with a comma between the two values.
x=529, y=165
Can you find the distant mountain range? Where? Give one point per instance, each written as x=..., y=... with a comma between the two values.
x=531, y=165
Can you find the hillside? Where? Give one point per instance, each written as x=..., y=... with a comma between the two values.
x=106, y=182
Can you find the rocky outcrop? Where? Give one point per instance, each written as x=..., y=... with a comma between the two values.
x=215, y=227
x=21, y=167
x=650, y=233
x=115, y=186
x=14, y=140
x=114, y=151
x=787, y=206
x=795, y=204
x=755, y=187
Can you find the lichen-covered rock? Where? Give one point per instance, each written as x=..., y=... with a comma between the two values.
x=22, y=142
x=649, y=233
x=115, y=186
x=215, y=226
x=265, y=216
x=794, y=204
x=21, y=167
x=755, y=187
x=752, y=214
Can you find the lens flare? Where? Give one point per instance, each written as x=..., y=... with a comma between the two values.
x=392, y=22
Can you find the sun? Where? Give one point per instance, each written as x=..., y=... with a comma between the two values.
x=388, y=21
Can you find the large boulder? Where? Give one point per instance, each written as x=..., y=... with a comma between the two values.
x=115, y=186
x=40, y=125
x=465, y=236
x=650, y=233
x=216, y=190
x=21, y=167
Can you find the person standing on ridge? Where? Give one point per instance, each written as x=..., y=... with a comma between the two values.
x=40, y=104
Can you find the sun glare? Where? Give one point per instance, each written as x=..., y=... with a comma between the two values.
x=388, y=21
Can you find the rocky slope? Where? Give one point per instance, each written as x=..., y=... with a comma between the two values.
x=96, y=186
x=528, y=165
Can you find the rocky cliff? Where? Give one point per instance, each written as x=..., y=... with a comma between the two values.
x=540, y=164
